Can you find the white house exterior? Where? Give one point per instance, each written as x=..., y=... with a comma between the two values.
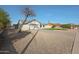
x=34, y=24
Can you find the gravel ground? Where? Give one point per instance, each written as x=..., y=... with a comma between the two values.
x=45, y=42
x=48, y=42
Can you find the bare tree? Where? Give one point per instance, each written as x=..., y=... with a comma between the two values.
x=28, y=12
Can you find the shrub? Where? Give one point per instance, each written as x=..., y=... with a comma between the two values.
x=66, y=25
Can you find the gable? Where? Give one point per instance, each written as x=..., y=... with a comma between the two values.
x=34, y=22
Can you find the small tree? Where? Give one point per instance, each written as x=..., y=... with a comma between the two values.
x=28, y=12
x=4, y=20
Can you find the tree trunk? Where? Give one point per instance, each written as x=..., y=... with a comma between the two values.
x=21, y=25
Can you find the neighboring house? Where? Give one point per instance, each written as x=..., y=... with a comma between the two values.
x=33, y=24
x=58, y=26
x=49, y=25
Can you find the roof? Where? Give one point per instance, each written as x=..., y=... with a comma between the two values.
x=51, y=24
x=58, y=24
x=31, y=21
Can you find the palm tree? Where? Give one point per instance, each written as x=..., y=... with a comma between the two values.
x=28, y=12
x=4, y=20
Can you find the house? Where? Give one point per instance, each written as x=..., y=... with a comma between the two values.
x=49, y=25
x=29, y=25
x=57, y=25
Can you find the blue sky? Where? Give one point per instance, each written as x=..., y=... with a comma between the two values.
x=45, y=13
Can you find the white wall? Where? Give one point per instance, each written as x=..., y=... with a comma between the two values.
x=25, y=27
x=30, y=26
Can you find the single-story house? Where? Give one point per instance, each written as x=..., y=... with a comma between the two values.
x=33, y=24
x=58, y=26
x=49, y=25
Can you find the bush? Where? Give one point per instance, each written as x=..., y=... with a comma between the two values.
x=56, y=29
x=66, y=25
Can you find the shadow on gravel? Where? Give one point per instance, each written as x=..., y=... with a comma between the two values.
x=6, y=41
x=17, y=36
x=6, y=46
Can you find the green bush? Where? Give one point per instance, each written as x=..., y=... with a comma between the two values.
x=66, y=25
x=56, y=29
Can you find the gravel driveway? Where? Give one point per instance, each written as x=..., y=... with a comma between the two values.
x=48, y=41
